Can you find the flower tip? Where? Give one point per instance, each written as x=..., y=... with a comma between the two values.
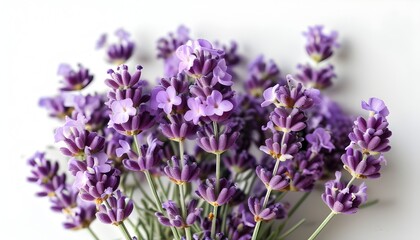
x=139, y=67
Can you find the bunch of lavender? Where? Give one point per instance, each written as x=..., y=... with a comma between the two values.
x=192, y=140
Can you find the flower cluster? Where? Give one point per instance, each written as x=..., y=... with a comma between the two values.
x=179, y=158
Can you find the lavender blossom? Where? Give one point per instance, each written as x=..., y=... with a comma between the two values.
x=120, y=208
x=77, y=139
x=319, y=45
x=319, y=139
x=376, y=106
x=342, y=199
x=182, y=174
x=282, y=150
x=123, y=79
x=360, y=166
x=304, y=170
x=99, y=186
x=149, y=157
x=120, y=51
x=287, y=120
x=277, y=182
x=240, y=161
x=372, y=135
x=207, y=191
x=55, y=106
x=318, y=78
x=260, y=213
x=80, y=217
x=168, y=98
x=74, y=80
x=122, y=110
x=197, y=110
x=175, y=218
x=177, y=129
x=212, y=143
x=262, y=75
x=216, y=105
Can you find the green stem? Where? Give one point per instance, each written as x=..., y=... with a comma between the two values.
x=213, y=223
x=217, y=172
x=188, y=233
x=125, y=231
x=157, y=200
x=292, y=229
x=181, y=187
x=257, y=227
x=351, y=181
x=323, y=224
x=92, y=233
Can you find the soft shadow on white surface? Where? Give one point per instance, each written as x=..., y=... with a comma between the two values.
x=379, y=58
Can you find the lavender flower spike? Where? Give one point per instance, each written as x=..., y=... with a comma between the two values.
x=122, y=110
x=359, y=167
x=167, y=98
x=120, y=208
x=148, y=159
x=342, y=199
x=319, y=45
x=320, y=139
x=376, y=106
x=74, y=80
x=178, y=175
x=175, y=218
x=255, y=206
x=207, y=191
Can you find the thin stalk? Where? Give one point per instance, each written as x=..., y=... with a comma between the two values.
x=188, y=233
x=257, y=226
x=120, y=224
x=323, y=224
x=157, y=200
x=217, y=172
x=181, y=187
x=292, y=229
x=160, y=184
x=351, y=181
x=92, y=233
x=136, y=229
x=213, y=223
x=125, y=231
x=224, y=216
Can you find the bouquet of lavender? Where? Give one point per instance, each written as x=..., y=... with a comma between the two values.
x=192, y=158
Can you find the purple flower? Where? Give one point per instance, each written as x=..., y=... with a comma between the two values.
x=219, y=143
x=262, y=75
x=77, y=139
x=143, y=120
x=318, y=78
x=287, y=120
x=80, y=217
x=122, y=110
x=221, y=75
x=320, y=139
x=319, y=45
x=361, y=166
x=99, y=186
x=120, y=208
x=74, y=80
x=277, y=182
x=260, y=213
x=123, y=79
x=167, y=98
x=197, y=110
x=376, y=106
x=120, y=51
x=177, y=129
x=371, y=135
x=182, y=174
x=304, y=170
x=216, y=105
x=282, y=150
x=186, y=57
x=270, y=95
x=55, y=106
x=167, y=46
x=149, y=157
x=342, y=199
x=291, y=96
x=207, y=191
x=239, y=162
x=175, y=218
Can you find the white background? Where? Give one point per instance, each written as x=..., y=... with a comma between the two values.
x=379, y=57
